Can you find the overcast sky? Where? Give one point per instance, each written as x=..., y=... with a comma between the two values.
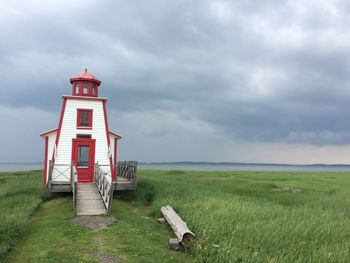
x=240, y=81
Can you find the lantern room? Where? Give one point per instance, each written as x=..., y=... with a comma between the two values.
x=85, y=84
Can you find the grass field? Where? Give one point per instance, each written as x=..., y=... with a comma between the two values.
x=20, y=195
x=237, y=217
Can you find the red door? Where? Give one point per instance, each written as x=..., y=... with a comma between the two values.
x=83, y=155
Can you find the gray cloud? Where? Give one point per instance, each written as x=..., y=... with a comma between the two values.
x=260, y=72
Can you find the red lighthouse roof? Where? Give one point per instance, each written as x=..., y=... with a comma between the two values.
x=85, y=75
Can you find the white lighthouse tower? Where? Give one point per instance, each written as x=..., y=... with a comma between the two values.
x=82, y=138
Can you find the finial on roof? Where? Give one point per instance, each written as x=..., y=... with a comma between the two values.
x=85, y=70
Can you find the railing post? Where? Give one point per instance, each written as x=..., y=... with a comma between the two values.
x=111, y=197
x=135, y=174
x=50, y=174
x=74, y=184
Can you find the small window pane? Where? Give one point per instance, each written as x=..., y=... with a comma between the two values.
x=93, y=90
x=85, y=89
x=76, y=88
x=84, y=118
x=83, y=155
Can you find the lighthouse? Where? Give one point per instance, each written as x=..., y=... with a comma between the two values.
x=82, y=138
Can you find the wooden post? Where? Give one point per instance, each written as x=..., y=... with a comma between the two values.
x=111, y=197
x=74, y=184
x=50, y=174
x=185, y=236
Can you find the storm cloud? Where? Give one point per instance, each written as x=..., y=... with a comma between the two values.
x=186, y=80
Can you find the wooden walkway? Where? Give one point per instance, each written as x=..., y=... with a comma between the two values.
x=89, y=200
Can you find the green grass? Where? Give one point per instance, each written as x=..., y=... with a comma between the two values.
x=134, y=237
x=236, y=216
x=258, y=216
x=20, y=195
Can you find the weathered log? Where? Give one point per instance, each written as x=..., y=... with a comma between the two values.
x=184, y=235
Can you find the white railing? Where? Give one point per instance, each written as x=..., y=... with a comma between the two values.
x=61, y=172
x=74, y=183
x=104, y=184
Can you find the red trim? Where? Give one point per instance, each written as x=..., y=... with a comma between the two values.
x=85, y=75
x=90, y=112
x=85, y=79
x=46, y=157
x=115, y=152
x=92, y=89
x=108, y=140
x=84, y=98
x=59, y=127
x=115, y=135
x=47, y=132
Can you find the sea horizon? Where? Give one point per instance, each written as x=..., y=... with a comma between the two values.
x=202, y=166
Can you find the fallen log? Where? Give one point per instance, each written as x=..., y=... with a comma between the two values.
x=184, y=235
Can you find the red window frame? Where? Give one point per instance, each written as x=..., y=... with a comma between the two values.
x=89, y=111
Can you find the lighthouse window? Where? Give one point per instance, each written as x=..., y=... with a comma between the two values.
x=85, y=89
x=77, y=88
x=84, y=119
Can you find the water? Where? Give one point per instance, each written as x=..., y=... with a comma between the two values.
x=12, y=167
x=246, y=167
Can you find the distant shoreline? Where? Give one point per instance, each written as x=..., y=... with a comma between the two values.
x=205, y=166
x=197, y=163
x=237, y=163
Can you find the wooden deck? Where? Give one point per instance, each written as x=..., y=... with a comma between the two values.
x=93, y=198
x=122, y=184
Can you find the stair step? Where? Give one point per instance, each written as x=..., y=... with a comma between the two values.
x=91, y=212
x=90, y=203
x=89, y=200
x=88, y=193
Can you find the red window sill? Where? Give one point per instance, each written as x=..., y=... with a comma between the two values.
x=84, y=128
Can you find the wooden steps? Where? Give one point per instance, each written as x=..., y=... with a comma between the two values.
x=89, y=200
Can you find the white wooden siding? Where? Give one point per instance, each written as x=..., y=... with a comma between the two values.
x=69, y=131
x=111, y=139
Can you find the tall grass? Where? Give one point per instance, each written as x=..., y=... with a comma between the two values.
x=236, y=216
x=20, y=195
x=257, y=217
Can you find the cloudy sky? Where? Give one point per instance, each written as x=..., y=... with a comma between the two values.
x=240, y=81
